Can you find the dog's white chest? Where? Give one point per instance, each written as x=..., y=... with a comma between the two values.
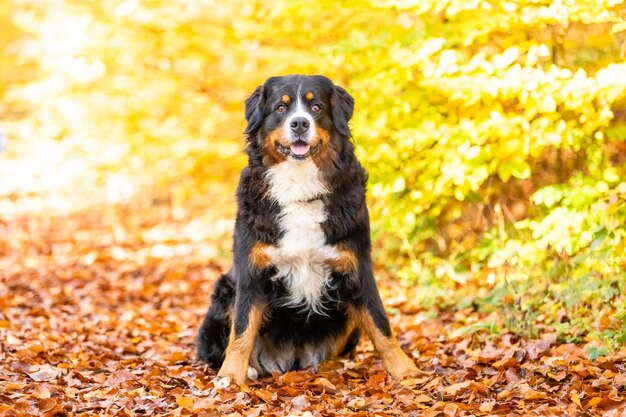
x=300, y=256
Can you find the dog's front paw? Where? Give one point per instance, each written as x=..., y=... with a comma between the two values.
x=221, y=381
x=401, y=367
x=226, y=379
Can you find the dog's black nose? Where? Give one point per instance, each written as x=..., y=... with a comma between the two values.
x=299, y=125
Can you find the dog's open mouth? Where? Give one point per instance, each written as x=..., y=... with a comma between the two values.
x=298, y=149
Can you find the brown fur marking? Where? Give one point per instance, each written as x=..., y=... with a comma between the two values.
x=321, y=139
x=240, y=348
x=271, y=156
x=259, y=259
x=397, y=363
x=346, y=262
x=286, y=99
x=309, y=95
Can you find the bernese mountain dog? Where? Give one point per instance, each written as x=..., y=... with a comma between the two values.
x=301, y=289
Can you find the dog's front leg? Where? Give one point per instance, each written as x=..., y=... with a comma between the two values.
x=371, y=318
x=244, y=329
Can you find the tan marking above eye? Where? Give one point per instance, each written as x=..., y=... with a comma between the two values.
x=286, y=98
x=309, y=95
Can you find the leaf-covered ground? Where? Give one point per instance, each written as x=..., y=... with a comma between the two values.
x=99, y=309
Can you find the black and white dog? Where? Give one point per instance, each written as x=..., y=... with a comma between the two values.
x=301, y=289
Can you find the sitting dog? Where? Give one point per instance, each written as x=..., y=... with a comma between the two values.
x=301, y=289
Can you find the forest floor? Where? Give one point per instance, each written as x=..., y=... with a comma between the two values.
x=99, y=310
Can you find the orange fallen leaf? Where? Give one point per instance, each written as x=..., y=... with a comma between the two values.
x=450, y=409
x=185, y=402
x=46, y=404
x=377, y=379
x=41, y=391
x=455, y=388
x=300, y=402
x=325, y=384
x=412, y=382
x=118, y=377
x=422, y=398
x=265, y=395
x=486, y=406
x=356, y=403
x=511, y=376
x=45, y=373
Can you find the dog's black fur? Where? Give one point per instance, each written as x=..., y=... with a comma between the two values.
x=285, y=327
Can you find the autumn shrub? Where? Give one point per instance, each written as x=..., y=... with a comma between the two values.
x=494, y=131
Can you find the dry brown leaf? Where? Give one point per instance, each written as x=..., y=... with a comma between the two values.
x=356, y=403
x=44, y=373
x=46, y=404
x=422, y=398
x=299, y=403
x=486, y=406
x=265, y=395
x=377, y=380
x=131, y=352
x=511, y=376
x=118, y=377
x=451, y=409
x=454, y=389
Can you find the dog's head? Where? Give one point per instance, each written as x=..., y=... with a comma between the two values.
x=297, y=117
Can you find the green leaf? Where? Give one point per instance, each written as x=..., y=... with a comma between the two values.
x=594, y=352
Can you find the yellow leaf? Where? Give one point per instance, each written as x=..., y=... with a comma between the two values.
x=455, y=388
x=185, y=402
x=486, y=407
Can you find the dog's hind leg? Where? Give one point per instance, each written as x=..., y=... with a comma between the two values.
x=213, y=336
x=370, y=315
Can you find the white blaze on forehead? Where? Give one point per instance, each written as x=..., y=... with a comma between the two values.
x=300, y=112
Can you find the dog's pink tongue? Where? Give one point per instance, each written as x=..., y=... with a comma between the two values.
x=300, y=148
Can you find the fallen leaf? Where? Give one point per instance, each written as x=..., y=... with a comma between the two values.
x=486, y=406
x=450, y=409
x=185, y=402
x=44, y=373
x=46, y=404
x=299, y=403
x=265, y=395
x=41, y=391
x=118, y=377
x=455, y=388
x=511, y=376
x=377, y=379
x=356, y=403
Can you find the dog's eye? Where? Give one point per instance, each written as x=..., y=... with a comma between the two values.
x=281, y=108
x=315, y=108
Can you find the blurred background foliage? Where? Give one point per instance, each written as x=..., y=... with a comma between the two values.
x=494, y=131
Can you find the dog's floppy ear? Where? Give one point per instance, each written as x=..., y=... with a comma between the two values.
x=342, y=105
x=255, y=111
